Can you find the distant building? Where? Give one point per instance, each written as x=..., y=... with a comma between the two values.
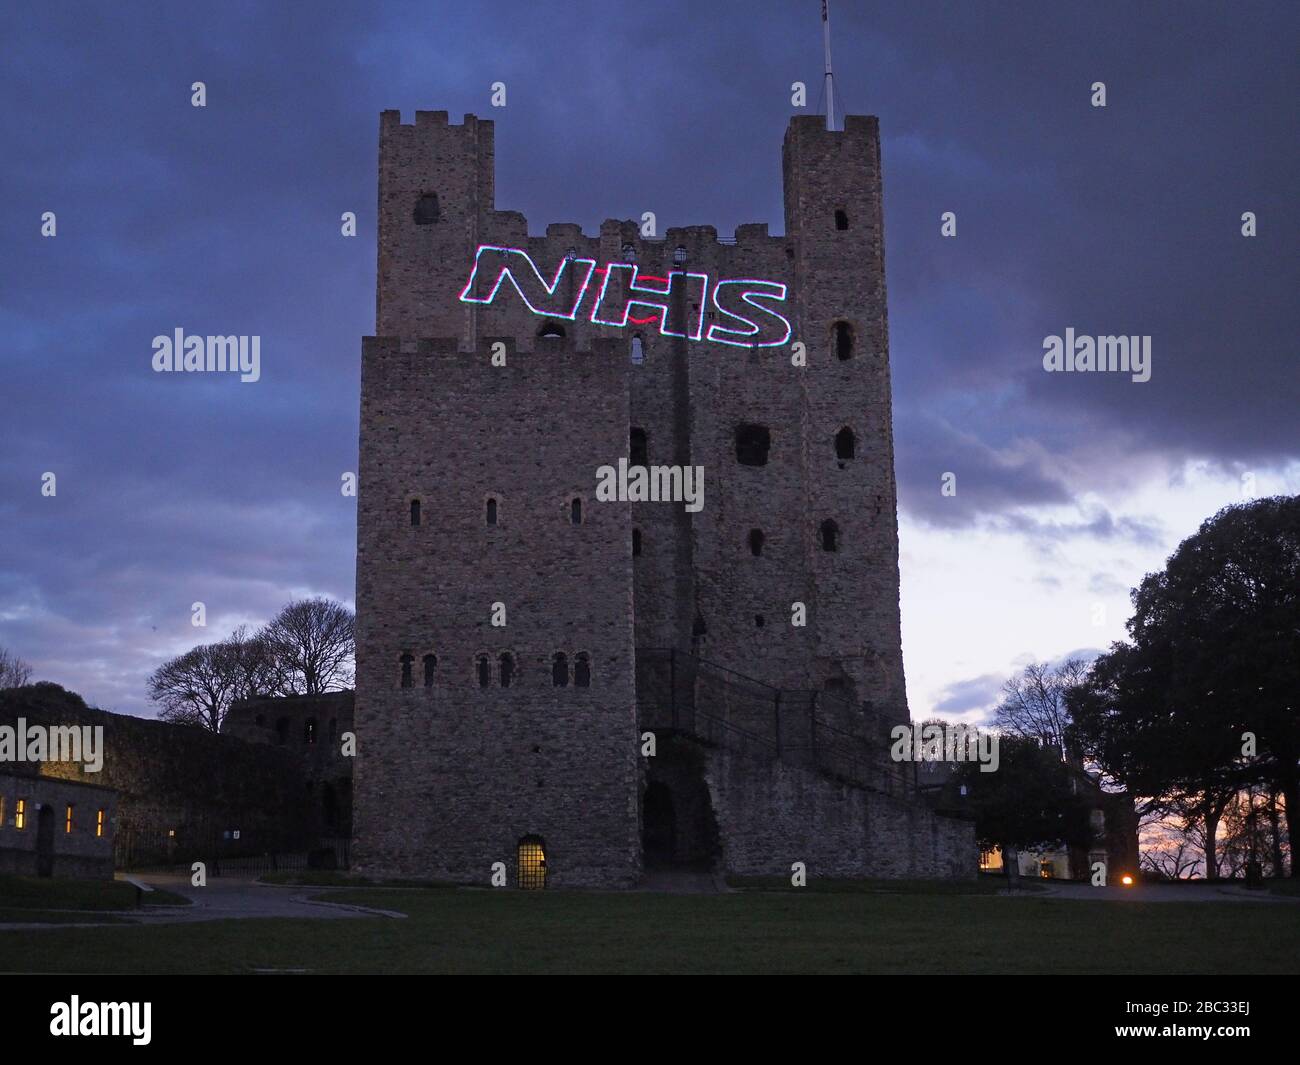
x=310, y=729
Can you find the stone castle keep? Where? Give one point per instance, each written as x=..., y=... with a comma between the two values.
x=483, y=425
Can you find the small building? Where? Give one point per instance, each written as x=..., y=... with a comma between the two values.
x=55, y=827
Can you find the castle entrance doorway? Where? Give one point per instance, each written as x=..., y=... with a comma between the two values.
x=658, y=826
x=45, y=840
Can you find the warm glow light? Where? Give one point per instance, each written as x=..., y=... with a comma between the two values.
x=1126, y=880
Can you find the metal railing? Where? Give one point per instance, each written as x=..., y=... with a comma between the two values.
x=719, y=706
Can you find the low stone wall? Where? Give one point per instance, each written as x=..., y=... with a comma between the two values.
x=771, y=814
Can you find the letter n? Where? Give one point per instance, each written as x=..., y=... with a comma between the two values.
x=494, y=265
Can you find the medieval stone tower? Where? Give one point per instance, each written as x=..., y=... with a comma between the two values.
x=506, y=370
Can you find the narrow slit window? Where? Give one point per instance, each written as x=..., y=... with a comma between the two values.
x=841, y=219
x=484, y=671
x=638, y=448
x=575, y=512
x=507, y=673
x=830, y=534
x=99, y=824
x=415, y=512
x=560, y=670
x=636, y=543
x=491, y=511
x=67, y=822
x=582, y=670
x=430, y=664
x=843, y=341
x=407, y=661
x=756, y=541
x=846, y=444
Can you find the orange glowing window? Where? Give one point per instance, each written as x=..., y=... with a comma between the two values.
x=532, y=863
x=67, y=820
x=99, y=823
x=20, y=814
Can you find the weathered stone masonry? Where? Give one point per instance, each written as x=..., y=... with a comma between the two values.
x=451, y=776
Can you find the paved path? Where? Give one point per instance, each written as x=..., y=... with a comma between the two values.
x=1190, y=892
x=224, y=898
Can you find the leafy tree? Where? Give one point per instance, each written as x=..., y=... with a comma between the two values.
x=1200, y=702
x=1028, y=802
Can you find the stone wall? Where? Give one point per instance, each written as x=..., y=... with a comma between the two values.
x=178, y=786
x=771, y=815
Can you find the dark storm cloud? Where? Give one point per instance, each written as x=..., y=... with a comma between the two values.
x=225, y=220
x=972, y=694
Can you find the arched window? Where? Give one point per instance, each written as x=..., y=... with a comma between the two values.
x=638, y=448
x=636, y=543
x=407, y=661
x=756, y=540
x=679, y=255
x=830, y=533
x=582, y=670
x=426, y=209
x=507, y=674
x=841, y=219
x=575, y=511
x=415, y=512
x=309, y=730
x=484, y=671
x=638, y=350
x=629, y=253
x=846, y=444
x=843, y=341
x=491, y=511
x=560, y=670
x=752, y=444
x=530, y=871
x=551, y=329
x=430, y=664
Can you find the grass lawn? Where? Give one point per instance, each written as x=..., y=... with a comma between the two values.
x=750, y=931
x=36, y=893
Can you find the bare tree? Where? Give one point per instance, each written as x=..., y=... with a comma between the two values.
x=196, y=688
x=14, y=672
x=253, y=664
x=313, y=641
x=1033, y=702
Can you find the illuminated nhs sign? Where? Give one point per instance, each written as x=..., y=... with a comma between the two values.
x=745, y=319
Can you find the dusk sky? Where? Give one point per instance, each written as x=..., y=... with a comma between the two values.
x=1123, y=219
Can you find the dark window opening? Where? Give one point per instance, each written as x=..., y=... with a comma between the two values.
x=830, y=536
x=638, y=350
x=426, y=209
x=575, y=512
x=507, y=670
x=484, y=671
x=560, y=670
x=846, y=444
x=282, y=731
x=679, y=255
x=843, y=341
x=636, y=543
x=415, y=512
x=759, y=621
x=752, y=444
x=841, y=220
x=638, y=448
x=407, y=661
x=430, y=664
x=259, y=720
x=551, y=329
x=491, y=511
x=581, y=670
x=309, y=730
x=756, y=540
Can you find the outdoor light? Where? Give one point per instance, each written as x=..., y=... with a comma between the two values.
x=1126, y=880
